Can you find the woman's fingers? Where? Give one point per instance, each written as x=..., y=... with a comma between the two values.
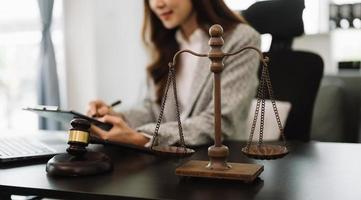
x=115, y=120
x=95, y=106
x=119, y=133
x=92, y=108
x=103, y=110
x=99, y=133
x=116, y=133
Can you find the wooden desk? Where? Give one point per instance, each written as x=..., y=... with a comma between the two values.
x=311, y=171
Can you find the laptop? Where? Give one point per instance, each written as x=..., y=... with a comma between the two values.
x=29, y=145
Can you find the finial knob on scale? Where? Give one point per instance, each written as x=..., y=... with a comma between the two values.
x=216, y=43
x=216, y=30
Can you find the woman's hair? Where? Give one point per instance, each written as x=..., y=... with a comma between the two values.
x=162, y=42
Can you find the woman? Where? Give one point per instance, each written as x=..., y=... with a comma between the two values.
x=171, y=25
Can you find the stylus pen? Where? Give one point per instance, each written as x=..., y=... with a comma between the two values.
x=115, y=103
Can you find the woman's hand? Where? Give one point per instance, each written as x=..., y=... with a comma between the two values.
x=120, y=132
x=99, y=108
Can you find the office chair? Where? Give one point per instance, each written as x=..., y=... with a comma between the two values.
x=295, y=75
x=280, y=18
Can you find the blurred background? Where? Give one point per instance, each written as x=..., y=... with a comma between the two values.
x=96, y=52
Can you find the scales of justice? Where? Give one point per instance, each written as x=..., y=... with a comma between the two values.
x=217, y=166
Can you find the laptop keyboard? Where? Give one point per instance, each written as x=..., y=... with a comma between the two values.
x=22, y=147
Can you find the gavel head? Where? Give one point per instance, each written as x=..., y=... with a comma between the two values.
x=78, y=137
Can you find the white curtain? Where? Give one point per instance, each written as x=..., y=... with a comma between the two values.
x=48, y=87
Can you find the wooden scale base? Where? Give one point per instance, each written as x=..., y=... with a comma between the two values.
x=237, y=171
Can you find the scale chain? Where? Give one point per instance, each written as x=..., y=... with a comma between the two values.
x=263, y=108
x=181, y=136
x=155, y=138
x=171, y=78
x=255, y=118
x=270, y=93
x=253, y=124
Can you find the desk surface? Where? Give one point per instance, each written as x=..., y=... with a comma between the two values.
x=311, y=171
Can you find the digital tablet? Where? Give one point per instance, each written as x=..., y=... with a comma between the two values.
x=53, y=112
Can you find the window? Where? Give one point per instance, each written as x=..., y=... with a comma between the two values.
x=20, y=36
x=239, y=5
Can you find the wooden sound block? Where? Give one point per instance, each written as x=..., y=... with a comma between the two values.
x=238, y=171
x=90, y=164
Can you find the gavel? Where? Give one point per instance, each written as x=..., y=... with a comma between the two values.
x=78, y=161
